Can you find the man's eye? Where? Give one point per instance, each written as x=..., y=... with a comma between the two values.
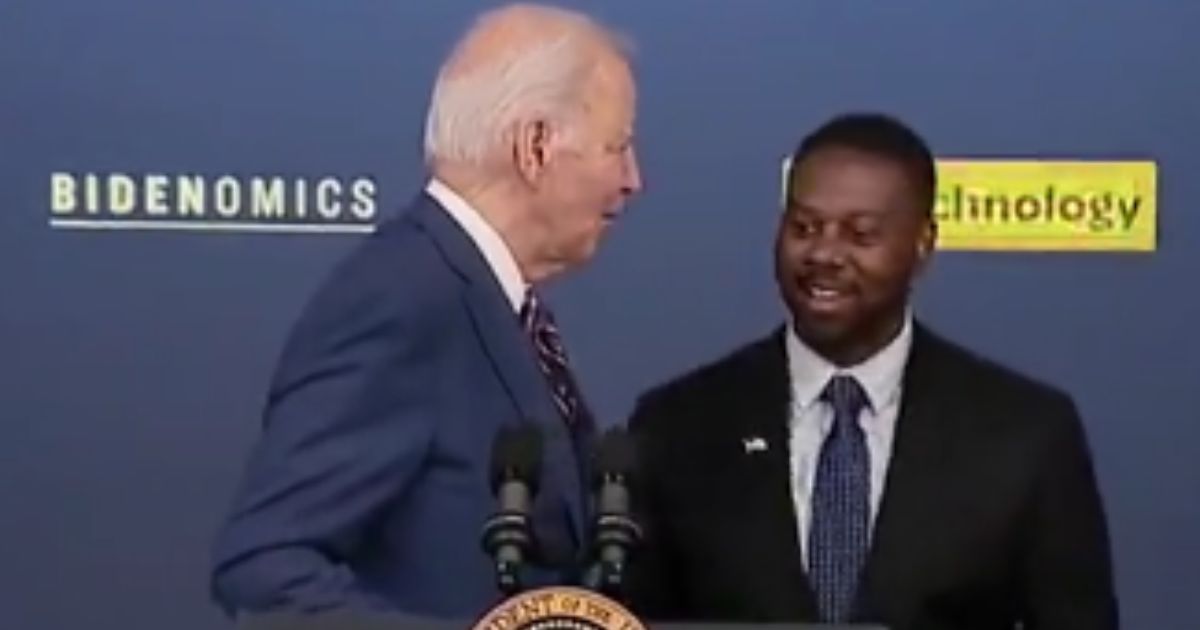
x=803, y=228
x=865, y=233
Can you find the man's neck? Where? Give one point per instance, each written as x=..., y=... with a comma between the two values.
x=496, y=203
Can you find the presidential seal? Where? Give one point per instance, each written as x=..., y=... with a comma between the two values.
x=559, y=608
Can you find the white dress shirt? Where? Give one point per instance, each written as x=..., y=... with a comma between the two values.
x=499, y=257
x=811, y=418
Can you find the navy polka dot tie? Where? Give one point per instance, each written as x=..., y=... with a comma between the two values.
x=840, y=529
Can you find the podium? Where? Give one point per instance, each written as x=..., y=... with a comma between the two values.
x=549, y=608
x=343, y=621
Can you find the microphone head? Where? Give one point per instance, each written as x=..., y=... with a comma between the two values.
x=615, y=456
x=517, y=455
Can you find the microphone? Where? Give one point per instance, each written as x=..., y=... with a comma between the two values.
x=516, y=468
x=616, y=533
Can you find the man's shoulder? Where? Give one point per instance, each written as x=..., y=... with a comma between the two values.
x=735, y=372
x=983, y=379
x=399, y=236
x=395, y=269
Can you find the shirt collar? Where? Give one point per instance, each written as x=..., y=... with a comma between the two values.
x=489, y=242
x=880, y=375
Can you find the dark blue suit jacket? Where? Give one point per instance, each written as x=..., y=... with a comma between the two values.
x=369, y=485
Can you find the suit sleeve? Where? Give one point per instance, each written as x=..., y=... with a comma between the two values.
x=651, y=572
x=1068, y=581
x=346, y=428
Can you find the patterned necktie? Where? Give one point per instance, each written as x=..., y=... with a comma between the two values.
x=839, y=534
x=552, y=359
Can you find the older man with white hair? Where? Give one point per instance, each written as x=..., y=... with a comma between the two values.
x=370, y=482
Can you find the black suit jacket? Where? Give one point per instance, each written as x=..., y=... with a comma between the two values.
x=990, y=514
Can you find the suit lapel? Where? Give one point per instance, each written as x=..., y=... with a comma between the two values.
x=922, y=434
x=900, y=532
x=770, y=519
x=507, y=346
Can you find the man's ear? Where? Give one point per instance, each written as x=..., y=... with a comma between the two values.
x=531, y=148
x=927, y=242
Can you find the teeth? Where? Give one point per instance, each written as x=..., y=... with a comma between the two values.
x=822, y=293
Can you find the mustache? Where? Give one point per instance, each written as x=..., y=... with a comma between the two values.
x=833, y=273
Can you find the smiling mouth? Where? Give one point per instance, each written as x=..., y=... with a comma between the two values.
x=822, y=293
x=825, y=297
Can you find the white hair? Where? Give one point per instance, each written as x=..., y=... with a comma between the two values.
x=472, y=114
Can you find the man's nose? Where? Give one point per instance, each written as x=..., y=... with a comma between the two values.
x=633, y=174
x=827, y=248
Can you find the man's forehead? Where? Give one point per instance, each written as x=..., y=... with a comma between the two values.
x=824, y=196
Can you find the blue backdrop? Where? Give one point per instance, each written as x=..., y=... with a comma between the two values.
x=134, y=363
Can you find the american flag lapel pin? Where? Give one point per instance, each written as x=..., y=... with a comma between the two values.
x=754, y=444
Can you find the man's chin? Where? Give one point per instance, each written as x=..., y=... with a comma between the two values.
x=579, y=254
x=823, y=334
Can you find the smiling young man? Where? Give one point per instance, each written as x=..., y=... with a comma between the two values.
x=853, y=466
